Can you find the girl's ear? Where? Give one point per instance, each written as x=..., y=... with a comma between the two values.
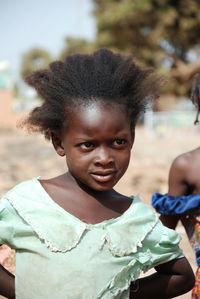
x=57, y=143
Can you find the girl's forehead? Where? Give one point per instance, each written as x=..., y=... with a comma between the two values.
x=96, y=114
x=97, y=110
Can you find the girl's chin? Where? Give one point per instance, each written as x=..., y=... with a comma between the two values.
x=93, y=185
x=97, y=187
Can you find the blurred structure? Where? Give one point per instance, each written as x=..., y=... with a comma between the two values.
x=7, y=115
x=179, y=116
x=13, y=108
x=6, y=82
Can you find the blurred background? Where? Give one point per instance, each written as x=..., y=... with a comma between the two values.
x=161, y=34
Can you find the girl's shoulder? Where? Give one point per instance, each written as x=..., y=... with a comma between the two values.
x=28, y=193
x=27, y=187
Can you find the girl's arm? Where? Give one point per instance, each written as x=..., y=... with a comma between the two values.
x=170, y=221
x=7, y=283
x=176, y=187
x=177, y=183
x=172, y=279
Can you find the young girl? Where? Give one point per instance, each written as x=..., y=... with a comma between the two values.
x=74, y=235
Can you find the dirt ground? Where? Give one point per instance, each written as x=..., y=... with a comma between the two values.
x=24, y=156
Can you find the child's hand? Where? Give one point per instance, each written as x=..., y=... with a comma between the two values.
x=7, y=283
x=171, y=279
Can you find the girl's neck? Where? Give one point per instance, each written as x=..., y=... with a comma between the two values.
x=80, y=187
x=84, y=203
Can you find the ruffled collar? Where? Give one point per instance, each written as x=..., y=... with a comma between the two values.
x=47, y=219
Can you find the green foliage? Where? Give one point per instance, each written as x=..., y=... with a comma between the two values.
x=157, y=32
x=33, y=60
x=160, y=33
x=75, y=46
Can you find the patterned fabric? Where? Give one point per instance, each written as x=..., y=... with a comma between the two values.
x=196, y=289
x=195, y=238
x=195, y=241
x=7, y=258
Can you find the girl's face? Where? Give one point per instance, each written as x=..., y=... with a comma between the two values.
x=97, y=145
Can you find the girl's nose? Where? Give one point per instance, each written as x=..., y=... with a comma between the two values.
x=103, y=157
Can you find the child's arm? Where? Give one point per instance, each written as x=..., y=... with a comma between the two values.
x=170, y=221
x=176, y=187
x=171, y=279
x=177, y=182
x=7, y=283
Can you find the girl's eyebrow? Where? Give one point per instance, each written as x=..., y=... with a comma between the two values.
x=121, y=135
x=91, y=138
x=83, y=139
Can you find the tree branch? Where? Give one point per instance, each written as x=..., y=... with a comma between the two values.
x=184, y=71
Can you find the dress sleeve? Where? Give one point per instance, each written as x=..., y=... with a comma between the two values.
x=163, y=244
x=7, y=222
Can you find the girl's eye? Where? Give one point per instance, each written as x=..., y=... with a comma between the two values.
x=87, y=145
x=119, y=141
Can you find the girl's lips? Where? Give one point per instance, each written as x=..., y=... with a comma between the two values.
x=102, y=178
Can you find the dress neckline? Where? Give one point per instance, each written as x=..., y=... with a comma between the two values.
x=50, y=200
x=61, y=231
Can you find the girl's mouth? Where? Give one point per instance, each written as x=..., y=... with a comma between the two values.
x=103, y=177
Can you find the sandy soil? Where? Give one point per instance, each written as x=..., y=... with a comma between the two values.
x=25, y=156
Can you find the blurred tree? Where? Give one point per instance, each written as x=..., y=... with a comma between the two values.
x=75, y=46
x=33, y=60
x=161, y=33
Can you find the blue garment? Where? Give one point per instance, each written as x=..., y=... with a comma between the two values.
x=174, y=205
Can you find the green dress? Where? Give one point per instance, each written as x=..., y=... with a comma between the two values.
x=59, y=256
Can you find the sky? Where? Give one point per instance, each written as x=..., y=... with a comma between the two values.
x=25, y=24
